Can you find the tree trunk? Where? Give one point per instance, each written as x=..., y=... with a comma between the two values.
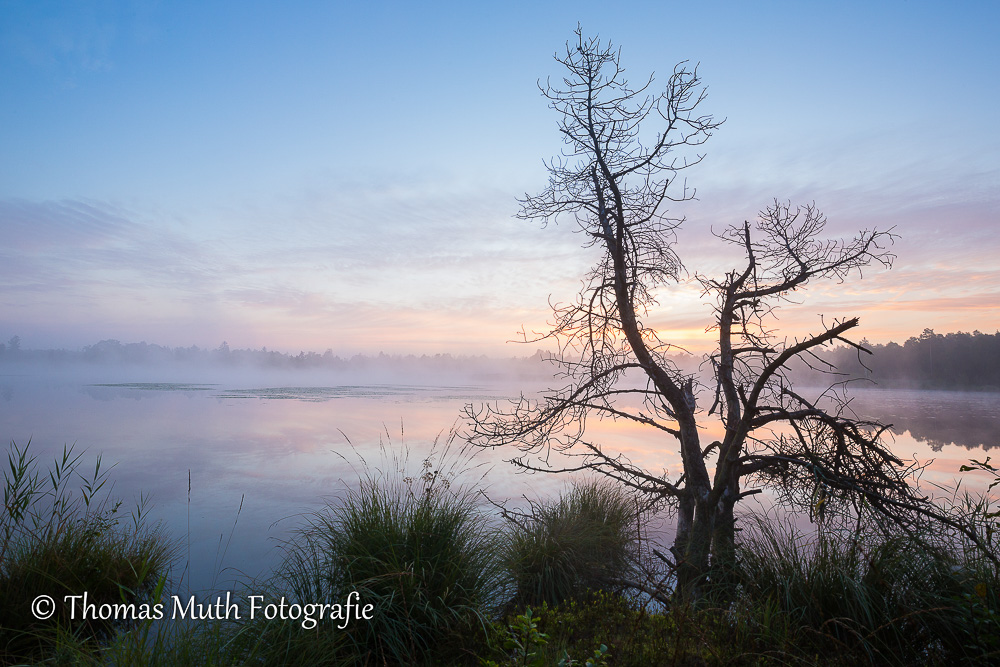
x=705, y=544
x=724, y=547
x=692, y=570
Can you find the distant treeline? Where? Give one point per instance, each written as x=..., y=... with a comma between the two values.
x=928, y=361
x=116, y=353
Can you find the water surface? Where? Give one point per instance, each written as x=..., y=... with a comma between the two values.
x=259, y=456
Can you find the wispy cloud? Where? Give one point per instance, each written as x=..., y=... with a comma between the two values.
x=340, y=263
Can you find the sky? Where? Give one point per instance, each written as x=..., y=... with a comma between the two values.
x=314, y=175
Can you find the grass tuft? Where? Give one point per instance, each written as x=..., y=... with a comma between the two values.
x=587, y=540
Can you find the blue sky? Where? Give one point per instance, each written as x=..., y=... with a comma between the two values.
x=343, y=175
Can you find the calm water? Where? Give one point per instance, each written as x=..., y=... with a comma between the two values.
x=262, y=454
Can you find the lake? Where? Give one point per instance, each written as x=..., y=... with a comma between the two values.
x=261, y=453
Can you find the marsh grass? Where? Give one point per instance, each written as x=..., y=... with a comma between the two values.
x=61, y=534
x=586, y=540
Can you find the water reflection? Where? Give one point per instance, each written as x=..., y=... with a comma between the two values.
x=938, y=418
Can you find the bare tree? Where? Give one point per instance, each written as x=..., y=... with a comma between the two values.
x=615, y=178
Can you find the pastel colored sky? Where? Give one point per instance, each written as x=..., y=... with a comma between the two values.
x=344, y=175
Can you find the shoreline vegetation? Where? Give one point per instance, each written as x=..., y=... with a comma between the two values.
x=453, y=579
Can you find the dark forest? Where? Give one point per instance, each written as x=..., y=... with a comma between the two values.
x=929, y=361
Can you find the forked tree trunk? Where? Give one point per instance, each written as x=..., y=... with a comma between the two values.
x=705, y=544
x=694, y=554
